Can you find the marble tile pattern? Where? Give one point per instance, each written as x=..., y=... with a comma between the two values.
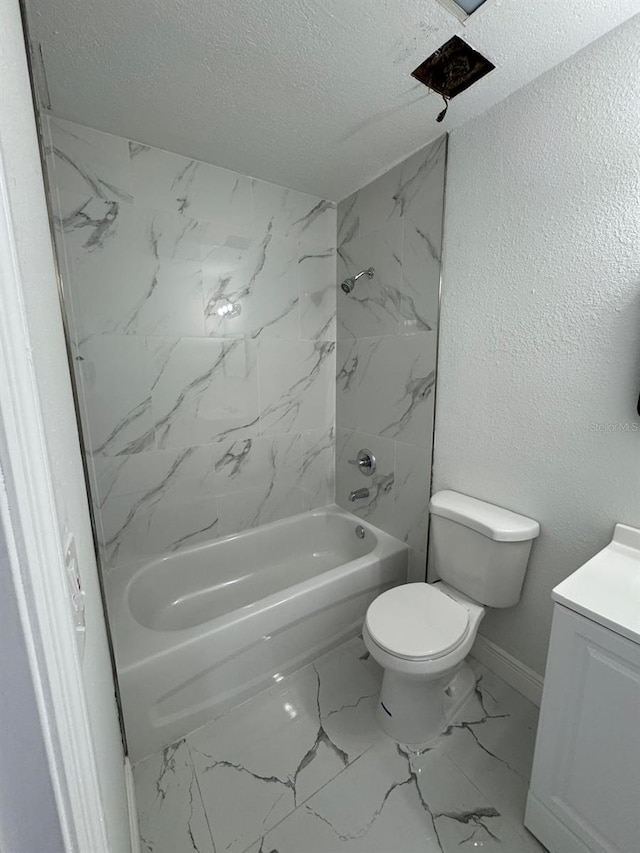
x=305, y=767
x=387, y=340
x=202, y=311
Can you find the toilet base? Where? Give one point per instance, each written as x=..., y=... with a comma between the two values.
x=413, y=710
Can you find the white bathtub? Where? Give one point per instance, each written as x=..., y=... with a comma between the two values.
x=202, y=629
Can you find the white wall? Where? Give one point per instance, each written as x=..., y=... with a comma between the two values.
x=541, y=318
x=44, y=337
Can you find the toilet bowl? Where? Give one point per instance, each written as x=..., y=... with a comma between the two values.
x=421, y=633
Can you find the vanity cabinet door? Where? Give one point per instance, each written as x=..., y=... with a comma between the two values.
x=585, y=785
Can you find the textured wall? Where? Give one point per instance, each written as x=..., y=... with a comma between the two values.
x=387, y=332
x=541, y=318
x=312, y=95
x=202, y=309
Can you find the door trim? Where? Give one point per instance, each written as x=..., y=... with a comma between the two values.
x=37, y=109
x=27, y=501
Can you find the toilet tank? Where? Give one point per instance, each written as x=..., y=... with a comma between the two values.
x=480, y=549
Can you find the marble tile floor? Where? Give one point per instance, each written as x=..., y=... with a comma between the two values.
x=304, y=768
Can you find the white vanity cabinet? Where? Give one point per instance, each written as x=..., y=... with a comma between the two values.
x=585, y=785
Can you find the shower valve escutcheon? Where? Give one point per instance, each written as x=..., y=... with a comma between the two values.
x=365, y=462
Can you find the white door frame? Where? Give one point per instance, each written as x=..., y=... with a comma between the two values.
x=27, y=501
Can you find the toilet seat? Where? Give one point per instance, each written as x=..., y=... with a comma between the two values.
x=417, y=622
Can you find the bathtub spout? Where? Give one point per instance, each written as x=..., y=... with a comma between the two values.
x=358, y=494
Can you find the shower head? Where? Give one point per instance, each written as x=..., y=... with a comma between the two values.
x=348, y=284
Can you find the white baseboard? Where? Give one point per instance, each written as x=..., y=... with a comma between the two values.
x=133, y=810
x=511, y=670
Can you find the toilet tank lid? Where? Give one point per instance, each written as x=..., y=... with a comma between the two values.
x=490, y=520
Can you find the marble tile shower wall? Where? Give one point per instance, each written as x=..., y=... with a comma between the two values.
x=386, y=350
x=203, y=319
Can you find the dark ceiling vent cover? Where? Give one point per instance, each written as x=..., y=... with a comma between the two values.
x=452, y=68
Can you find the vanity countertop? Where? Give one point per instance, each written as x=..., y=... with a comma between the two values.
x=607, y=588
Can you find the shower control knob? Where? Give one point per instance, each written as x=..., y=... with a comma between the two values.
x=365, y=461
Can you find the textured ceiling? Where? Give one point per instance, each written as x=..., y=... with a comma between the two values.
x=312, y=94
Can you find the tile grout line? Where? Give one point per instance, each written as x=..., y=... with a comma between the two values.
x=197, y=780
x=310, y=666
x=313, y=794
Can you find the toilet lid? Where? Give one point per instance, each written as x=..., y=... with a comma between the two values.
x=417, y=621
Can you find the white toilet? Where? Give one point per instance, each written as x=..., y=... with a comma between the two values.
x=421, y=633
